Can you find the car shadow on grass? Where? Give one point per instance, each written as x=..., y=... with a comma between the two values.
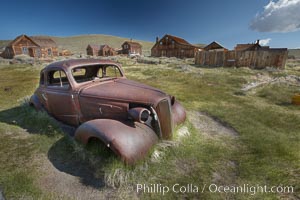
x=68, y=157
x=27, y=118
x=65, y=154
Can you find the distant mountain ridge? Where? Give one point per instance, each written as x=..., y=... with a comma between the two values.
x=78, y=44
x=294, y=53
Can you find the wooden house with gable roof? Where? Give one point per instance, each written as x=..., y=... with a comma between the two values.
x=214, y=46
x=129, y=47
x=106, y=50
x=40, y=47
x=172, y=46
x=92, y=50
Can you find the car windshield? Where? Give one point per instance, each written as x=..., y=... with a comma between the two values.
x=93, y=73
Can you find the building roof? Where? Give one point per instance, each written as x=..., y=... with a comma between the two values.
x=102, y=46
x=245, y=47
x=94, y=46
x=214, y=45
x=17, y=39
x=105, y=45
x=177, y=39
x=132, y=43
x=43, y=41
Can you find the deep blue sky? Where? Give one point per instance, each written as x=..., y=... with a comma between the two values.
x=197, y=21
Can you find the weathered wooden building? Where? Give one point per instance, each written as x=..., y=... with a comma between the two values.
x=40, y=47
x=92, y=50
x=244, y=55
x=47, y=46
x=100, y=50
x=214, y=46
x=106, y=50
x=172, y=46
x=129, y=47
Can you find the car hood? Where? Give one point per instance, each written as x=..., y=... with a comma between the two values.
x=124, y=90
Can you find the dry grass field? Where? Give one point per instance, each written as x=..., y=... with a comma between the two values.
x=241, y=129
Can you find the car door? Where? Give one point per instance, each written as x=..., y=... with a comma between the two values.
x=60, y=97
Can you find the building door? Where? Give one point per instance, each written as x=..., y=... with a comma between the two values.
x=31, y=52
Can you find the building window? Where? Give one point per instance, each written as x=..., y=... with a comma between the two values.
x=24, y=50
x=160, y=43
x=38, y=53
x=49, y=52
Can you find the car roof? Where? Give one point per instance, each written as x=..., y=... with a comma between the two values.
x=66, y=64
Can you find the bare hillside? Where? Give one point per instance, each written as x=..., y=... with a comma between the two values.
x=294, y=53
x=78, y=44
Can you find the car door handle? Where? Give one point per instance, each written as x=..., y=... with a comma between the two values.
x=44, y=97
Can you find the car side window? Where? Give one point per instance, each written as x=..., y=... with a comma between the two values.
x=111, y=71
x=58, y=79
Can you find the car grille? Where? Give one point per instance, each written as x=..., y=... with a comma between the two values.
x=163, y=110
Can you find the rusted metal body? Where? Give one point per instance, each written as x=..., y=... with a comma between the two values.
x=129, y=117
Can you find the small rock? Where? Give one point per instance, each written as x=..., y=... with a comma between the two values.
x=7, y=89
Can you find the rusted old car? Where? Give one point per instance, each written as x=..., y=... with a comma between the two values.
x=95, y=96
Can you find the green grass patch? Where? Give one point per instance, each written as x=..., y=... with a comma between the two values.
x=265, y=152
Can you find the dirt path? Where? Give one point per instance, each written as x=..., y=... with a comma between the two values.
x=210, y=125
x=214, y=128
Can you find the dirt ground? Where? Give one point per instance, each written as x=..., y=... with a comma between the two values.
x=75, y=181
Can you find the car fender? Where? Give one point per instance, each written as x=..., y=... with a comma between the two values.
x=35, y=102
x=131, y=141
x=178, y=112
